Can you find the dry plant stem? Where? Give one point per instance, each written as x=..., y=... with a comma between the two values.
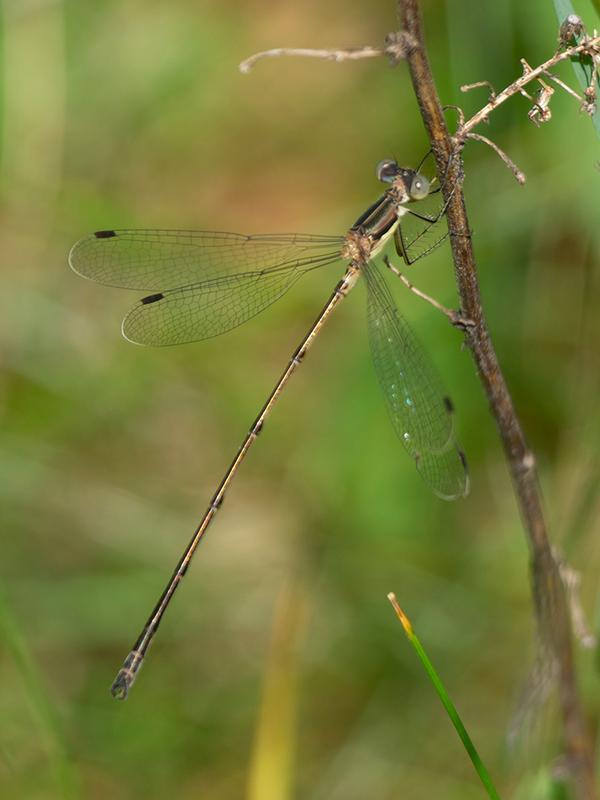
x=329, y=55
x=588, y=46
x=549, y=596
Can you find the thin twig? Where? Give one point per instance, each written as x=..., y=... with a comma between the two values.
x=351, y=54
x=458, y=110
x=548, y=590
x=563, y=85
x=468, y=87
x=519, y=175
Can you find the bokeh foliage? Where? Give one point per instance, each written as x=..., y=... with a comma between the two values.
x=279, y=672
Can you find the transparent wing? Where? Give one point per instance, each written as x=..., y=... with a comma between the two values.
x=420, y=411
x=155, y=260
x=206, y=309
x=532, y=732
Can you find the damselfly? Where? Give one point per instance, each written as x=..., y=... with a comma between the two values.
x=205, y=283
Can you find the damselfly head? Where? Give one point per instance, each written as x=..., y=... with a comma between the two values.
x=414, y=185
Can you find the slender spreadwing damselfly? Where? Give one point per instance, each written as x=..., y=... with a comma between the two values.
x=205, y=283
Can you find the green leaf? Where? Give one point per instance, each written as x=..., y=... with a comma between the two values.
x=583, y=72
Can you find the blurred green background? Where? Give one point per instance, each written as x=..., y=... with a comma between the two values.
x=280, y=670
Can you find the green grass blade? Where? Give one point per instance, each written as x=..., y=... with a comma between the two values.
x=446, y=702
x=564, y=8
x=47, y=724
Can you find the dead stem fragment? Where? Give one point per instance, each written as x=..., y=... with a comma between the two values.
x=550, y=601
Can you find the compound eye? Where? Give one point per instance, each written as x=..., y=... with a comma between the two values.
x=387, y=170
x=419, y=188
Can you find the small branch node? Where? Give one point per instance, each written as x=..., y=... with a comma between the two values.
x=528, y=462
x=526, y=68
x=588, y=104
x=397, y=46
x=462, y=323
x=458, y=142
x=402, y=42
x=460, y=234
